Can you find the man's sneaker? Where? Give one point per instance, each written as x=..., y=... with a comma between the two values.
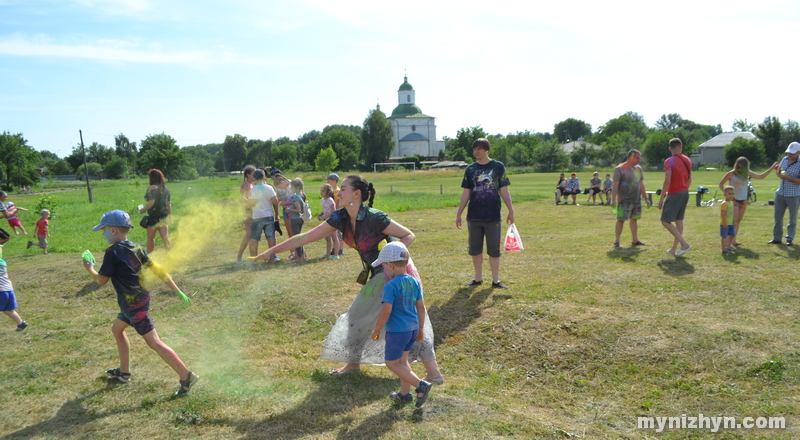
x=401, y=398
x=22, y=326
x=114, y=373
x=30, y=243
x=499, y=285
x=186, y=385
x=341, y=252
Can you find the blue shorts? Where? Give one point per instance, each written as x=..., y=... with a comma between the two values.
x=726, y=231
x=399, y=342
x=266, y=224
x=139, y=319
x=8, y=301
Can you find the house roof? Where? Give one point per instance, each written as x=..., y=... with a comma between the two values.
x=725, y=139
x=569, y=147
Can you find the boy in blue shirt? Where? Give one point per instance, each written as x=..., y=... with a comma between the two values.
x=122, y=264
x=403, y=314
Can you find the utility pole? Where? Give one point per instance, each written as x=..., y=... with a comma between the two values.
x=86, y=169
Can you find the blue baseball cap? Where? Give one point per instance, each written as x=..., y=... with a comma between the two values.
x=114, y=218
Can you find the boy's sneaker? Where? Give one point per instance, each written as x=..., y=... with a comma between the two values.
x=401, y=398
x=22, y=326
x=325, y=257
x=186, y=385
x=341, y=252
x=30, y=243
x=114, y=373
x=335, y=257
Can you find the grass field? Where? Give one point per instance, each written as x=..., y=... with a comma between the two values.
x=587, y=338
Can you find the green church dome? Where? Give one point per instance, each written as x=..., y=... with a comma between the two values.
x=407, y=111
x=405, y=86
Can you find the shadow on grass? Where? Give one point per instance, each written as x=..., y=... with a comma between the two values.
x=625, y=254
x=70, y=416
x=460, y=310
x=324, y=411
x=90, y=287
x=676, y=267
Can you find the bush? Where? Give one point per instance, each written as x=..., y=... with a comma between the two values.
x=48, y=202
x=185, y=172
x=117, y=168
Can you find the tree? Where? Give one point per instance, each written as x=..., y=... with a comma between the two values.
x=572, y=129
x=199, y=159
x=326, y=160
x=116, y=169
x=284, y=157
x=743, y=125
x=19, y=160
x=355, y=129
x=656, y=147
x=125, y=148
x=376, y=138
x=259, y=153
x=308, y=137
x=549, y=156
x=752, y=149
x=583, y=154
x=93, y=167
x=669, y=122
x=627, y=122
x=160, y=151
x=99, y=153
x=790, y=133
x=770, y=132
x=616, y=148
x=344, y=143
x=50, y=164
x=518, y=155
x=464, y=139
x=234, y=152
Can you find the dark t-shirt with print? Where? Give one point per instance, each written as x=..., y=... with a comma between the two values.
x=485, y=182
x=370, y=224
x=123, y=262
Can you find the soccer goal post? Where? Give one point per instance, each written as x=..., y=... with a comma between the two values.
x=394, y=164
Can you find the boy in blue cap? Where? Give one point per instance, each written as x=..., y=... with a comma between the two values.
x=122, y=264
x=403, y=314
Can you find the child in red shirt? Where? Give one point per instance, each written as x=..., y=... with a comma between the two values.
x=42, y=231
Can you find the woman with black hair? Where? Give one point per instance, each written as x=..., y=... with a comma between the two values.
x=366, y=230
x=159, y=210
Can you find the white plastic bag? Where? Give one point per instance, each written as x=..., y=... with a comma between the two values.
x=513, y=242
x=306, y=214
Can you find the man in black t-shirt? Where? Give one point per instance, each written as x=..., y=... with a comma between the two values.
x=485, y=183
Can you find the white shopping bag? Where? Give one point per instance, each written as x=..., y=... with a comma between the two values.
x=513, y=241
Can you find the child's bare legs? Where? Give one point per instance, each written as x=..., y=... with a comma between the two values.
x=288, y=227
x=245, y=240
x=167, y=354
x=151, y=239
x=13, y=315
x=337, y=244
x=738, y=214
x=253, y=247
x=403, y=370
x=164, y=232
x=123, y=346
x=329, y=244
x=431, y=370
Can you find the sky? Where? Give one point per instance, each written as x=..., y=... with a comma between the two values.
x=200, y=70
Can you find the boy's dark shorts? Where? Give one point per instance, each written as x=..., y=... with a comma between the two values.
x=399, y=342
x=4, y=235
x=478, y=230
x=138, y=319
x=674, y=207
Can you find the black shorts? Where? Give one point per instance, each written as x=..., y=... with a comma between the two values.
x=479, y=230
x=4, y=235
x=139, y=319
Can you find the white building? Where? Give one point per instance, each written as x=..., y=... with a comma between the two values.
x=414, y=132
x=713, y=150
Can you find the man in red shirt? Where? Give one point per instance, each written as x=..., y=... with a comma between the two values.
x=675, y=195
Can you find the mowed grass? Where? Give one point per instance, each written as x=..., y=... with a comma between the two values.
x=587, y=339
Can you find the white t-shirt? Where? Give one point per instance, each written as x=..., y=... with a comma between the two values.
x=262, y=194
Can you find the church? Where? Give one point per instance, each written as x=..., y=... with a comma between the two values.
x=414, y=132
